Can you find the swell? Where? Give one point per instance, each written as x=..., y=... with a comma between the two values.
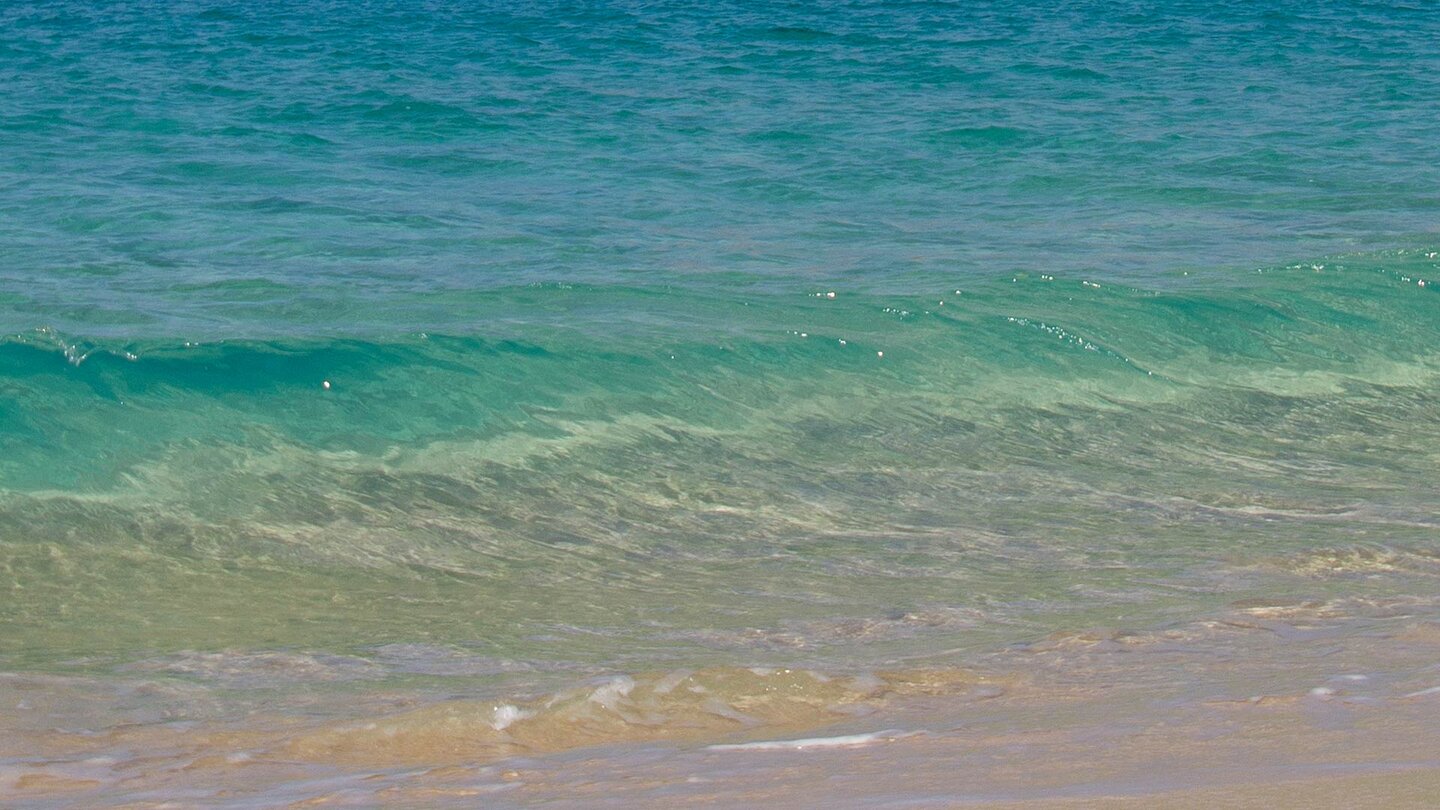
x=535, y=360
x=1313, y=311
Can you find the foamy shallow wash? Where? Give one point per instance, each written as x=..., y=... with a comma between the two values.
x=424, y=387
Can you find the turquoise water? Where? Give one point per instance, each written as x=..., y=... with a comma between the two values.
x=184, y=171
x=468, y=341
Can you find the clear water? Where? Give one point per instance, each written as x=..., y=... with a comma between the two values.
x=473, y=346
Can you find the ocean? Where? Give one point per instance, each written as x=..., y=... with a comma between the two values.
x=397, y=384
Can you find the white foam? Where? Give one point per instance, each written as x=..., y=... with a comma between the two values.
x=810, y=743
x=611, y=693
x=505, y=715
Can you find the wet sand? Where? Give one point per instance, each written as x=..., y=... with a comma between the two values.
x=1269, y=704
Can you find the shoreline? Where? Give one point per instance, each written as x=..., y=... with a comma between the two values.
x=1219, y=708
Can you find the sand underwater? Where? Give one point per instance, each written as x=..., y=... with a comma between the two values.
x=836, y=404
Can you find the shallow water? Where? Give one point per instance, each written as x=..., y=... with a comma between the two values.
x=1333, y=700
x=412, y=387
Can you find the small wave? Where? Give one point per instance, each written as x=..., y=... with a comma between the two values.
x=677, y=706
x=813, y=743
x=1359, y=561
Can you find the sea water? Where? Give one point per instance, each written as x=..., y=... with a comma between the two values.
x=358, y=357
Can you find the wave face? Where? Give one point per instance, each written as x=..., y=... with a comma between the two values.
x=830, y=476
